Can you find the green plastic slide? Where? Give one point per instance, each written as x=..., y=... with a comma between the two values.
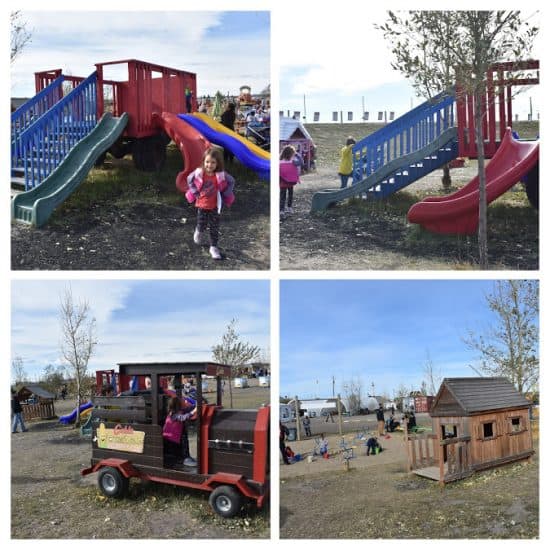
x=36, y=206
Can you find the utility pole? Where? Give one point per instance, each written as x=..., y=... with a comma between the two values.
x=332, y=385
x=305, y=110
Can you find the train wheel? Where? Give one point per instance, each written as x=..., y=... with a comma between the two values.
x=112, y=483
x=226, y=501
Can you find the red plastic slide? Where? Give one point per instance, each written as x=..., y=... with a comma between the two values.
x=459, y=213
x=190, y=142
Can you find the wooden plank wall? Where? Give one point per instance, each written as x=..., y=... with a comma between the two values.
x=505, y=442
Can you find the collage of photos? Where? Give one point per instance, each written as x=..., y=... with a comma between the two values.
x=335, y=336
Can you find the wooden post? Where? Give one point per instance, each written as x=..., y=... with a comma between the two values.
x=297, y=407
x=441, y=467
x=339, y=408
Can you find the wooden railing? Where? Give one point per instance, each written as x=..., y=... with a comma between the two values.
x=422, y=451
x=454, y=459
x=41, y=411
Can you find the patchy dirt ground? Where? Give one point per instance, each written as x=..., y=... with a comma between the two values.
x=376, y=498
x=144, y=225
x=361, y=235
x=50, y=500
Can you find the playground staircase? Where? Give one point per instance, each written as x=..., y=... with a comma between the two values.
x=47, y=127
x=55, y=141
x=400, y=153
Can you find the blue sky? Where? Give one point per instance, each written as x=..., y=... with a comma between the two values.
x=341, y=63
x=378, y=331
x=139, y=320
x=225, y=49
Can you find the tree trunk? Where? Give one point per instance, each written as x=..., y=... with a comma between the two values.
x=78, y=403
x=231, y=391
x=482, y=226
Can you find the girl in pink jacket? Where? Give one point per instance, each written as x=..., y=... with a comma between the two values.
x=210, y=187
x=289, y=176
x=174, y=430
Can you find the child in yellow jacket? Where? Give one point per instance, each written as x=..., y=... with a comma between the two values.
x=346, y=162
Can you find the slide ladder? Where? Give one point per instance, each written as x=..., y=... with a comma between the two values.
x=400, y=153
x=46, y=128
x=36, y=205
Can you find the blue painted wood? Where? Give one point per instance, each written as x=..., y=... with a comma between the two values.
x=419, y=127
x=31, y=111
x=44, y=144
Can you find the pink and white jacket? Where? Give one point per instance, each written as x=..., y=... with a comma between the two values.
x=203, y=190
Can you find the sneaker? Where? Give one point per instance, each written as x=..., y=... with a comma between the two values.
x=215, y=253
x=281, y=213
x=289, y=210
x=197, y=236
x=189, y=461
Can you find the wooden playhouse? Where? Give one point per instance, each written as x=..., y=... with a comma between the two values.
x=477, y=423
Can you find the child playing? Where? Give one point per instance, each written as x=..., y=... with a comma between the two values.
x=174, y=429
x=346, y=162
x=289, y=176
x=209, y=187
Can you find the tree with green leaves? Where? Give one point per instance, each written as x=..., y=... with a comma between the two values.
x=234, y=352
x=510, y=346
x=78, y=341
x=437, y=49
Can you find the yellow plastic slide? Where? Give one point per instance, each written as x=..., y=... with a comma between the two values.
x=222, y=129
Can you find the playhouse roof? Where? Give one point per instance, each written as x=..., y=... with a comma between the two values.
x=470, y=396
x=26, y=391
x=290, y=128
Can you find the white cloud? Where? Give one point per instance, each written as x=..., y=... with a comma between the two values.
x=74, y=41
x=186, y=334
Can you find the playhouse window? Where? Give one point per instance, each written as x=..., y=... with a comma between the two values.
x=488, y=430
x=516, y=424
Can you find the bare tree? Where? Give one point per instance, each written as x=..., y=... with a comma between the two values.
x=20, y=36
x=433, y=375
x=234, y=352
x=18, y=368
x=77, y=341
x=510, y=346
x=353, y=394
x=436, y=49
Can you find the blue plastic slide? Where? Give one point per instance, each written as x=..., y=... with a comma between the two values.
x=239, y=149
x=70, y=418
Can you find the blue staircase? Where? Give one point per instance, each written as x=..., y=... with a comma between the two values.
x=400, y=153
x=45, y=129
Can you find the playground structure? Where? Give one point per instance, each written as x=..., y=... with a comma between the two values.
x=293, y=132
x=232, y=445
x=72, y=122
x=477, y=423
x=434, y=134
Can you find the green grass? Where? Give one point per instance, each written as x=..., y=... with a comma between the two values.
x=118, y=181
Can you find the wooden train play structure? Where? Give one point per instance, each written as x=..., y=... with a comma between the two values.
x=438, y=132
x=232, y=446
x=72, y=122
x=477, y=423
